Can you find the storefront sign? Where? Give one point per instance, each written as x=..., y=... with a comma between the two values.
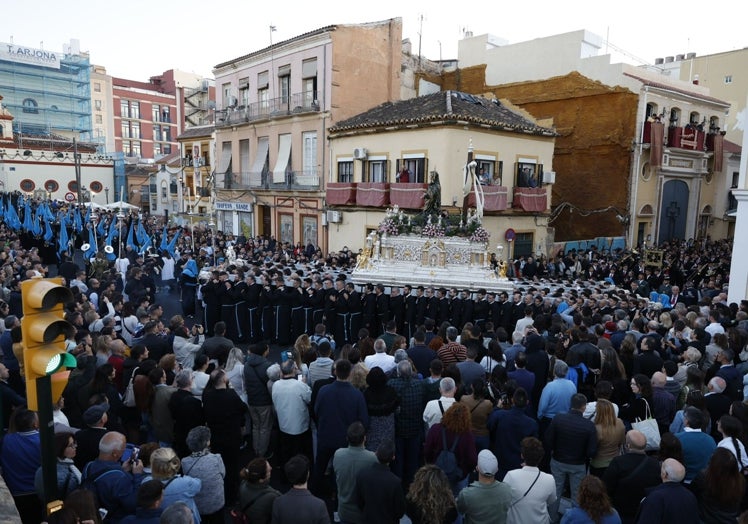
x=233, y=206
x=29, y=55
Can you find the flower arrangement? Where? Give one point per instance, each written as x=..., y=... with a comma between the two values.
x=480, y=235
x=432, y=231
x=389, y=227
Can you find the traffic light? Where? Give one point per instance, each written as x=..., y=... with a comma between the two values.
x=44, y=332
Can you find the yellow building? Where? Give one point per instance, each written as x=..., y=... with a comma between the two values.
x=386, y=156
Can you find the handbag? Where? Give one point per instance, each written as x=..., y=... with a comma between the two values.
x=129, y=399
x=649, y=429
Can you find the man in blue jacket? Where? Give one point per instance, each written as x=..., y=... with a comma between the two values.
x=338, y=405
x=671, y=501
x=508, y=427
x=115, y=484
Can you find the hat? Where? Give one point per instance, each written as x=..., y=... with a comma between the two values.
x=94, y=414
x=487, y=463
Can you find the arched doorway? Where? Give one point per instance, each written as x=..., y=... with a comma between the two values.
x=673, y=211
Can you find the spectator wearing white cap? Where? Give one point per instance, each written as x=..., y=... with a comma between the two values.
x=486, y=500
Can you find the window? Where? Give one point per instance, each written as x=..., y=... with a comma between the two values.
x=485, y=171
x=135, y=148
x=157, y=149
x=124, y=108
x=97, y=87
x=30, y=106
x=226, y=91
x=651, y=110
x=376, y=170
x=345, y=171
x=135, y=129
x=166, y=134
x=285, y=88
x=244, y=91
x=126, y=129
x=309, y=143
x=674, y=117
x=528, y=173
x=164, y=191
x=156, y=110
x=126, y=149
x=156, y=132
x=263, y=97
x=165, y=114
x=135, y=110
x=97, y=105
x=728, y=79
x=309, y=81
x=99, y=119
x=416, y=168
x=694, y=118
x=167, y=149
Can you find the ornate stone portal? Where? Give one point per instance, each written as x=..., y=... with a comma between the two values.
x=422, y=261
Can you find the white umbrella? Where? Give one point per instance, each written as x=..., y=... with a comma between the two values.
x=120, y=204
x=93, y=205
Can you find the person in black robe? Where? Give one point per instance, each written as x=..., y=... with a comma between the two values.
x=397, y=308
x=410, y=312
x=267, y=312
x=456, y=306
x=252, y=293
x=383, y=309
x=442, y=306
x=296, y=301
x=369, y=301
x=211, y=292
x=355, y=308
x=188, y=281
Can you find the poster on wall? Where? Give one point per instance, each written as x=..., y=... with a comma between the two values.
x=309, y=228
x=286, y=229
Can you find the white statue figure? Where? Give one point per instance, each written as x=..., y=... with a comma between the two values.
x=472, y=183
x=230, y=254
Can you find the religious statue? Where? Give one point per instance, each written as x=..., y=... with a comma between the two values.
x=433, y=197
x=231, y=255
x=502, y=269
x=472, y=183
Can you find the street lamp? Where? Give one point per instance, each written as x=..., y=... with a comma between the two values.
x=212, y=226
x=106, y=190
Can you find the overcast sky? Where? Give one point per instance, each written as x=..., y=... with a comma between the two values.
x=141, y=38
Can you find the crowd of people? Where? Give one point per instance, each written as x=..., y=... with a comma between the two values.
x=599, y=390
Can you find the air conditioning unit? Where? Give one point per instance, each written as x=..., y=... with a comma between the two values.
x=549, y=177
x=334, y=217
x=359, y=153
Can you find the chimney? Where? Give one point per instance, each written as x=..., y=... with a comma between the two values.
x=679, y=58
x=659, y=61
x=690, y=56
x=668, y=59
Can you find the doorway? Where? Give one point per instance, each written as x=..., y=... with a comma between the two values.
x=673, y=211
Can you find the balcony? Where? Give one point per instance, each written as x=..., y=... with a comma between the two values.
x=532, y=199
x=687, y=137
x=341, y=193
x=408, y=195
x=494, y=198
x=294, y=181
x=651, y=129
x=296, y=104
x=374, y=194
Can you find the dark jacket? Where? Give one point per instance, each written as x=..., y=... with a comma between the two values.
x=337, y=406
x=571, y=438
x=187, y=413
x=299, y=506
x=507, y=428
x=116, y=490
x=256, y=379
x=379, y=495
x=670, y=502
x=627, y=478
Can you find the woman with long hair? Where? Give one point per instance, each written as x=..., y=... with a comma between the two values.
x=429, y=499
x=495, y=357
x=381, y=403
x=731, y=430
x=640, y=404
x=169, y=364
x=628, y=353
x=612, y=368
x=611, y=435
x=719, y=488
x=235, y=372
x=480, y=408
x=300, y=347
x=593, y=505
x=454, y=426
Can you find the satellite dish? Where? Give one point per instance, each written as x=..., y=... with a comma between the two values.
x=85, y=247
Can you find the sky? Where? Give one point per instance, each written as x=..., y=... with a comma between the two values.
x=138, y=39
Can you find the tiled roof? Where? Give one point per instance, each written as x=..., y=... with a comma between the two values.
x=670, y=87
x=444, y=107
x=732, y=147
x=197, y=132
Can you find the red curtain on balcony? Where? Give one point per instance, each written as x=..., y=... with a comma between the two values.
x=531, y=198
x=408, y=196
x=341, y=193
x=375, y=194
x=657, y=136
x=495, y=198
x=719, y=142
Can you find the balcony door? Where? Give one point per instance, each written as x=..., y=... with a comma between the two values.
x=673, y=211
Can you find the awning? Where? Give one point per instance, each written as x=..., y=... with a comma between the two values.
x=225, y=160
x=284, y=153
x=262, y=156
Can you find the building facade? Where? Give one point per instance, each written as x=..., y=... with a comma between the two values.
x=605, y=185
x=387, y=157
x=47, y=91
x=274, y=106
x=195, y=177
x=102, y=105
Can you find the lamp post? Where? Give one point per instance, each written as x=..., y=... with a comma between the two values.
x=106, y=191
x=120, y=219
x=212, y=226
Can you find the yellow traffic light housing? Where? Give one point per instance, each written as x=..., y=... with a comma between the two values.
x=44, y=331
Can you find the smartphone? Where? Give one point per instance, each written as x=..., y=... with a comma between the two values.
x=134, y=455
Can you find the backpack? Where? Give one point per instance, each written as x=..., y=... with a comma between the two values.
x=447, y=460
x=89, y=483
x=129, y=399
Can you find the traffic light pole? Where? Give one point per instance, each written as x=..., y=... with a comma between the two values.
x=47, y=437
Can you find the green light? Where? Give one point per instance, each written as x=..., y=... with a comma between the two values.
x=53, y=364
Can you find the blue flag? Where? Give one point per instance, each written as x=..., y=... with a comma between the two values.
x=140, y=233
x=113, y=232
x=63, y=238
x=130, y=240
x=146, y=245
x=92, y=249
x=101, y=228
x=36, y=226
x=173, y=244
x=48, y=235
x=77, y=222
x=27, y=225
x=164, y=240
